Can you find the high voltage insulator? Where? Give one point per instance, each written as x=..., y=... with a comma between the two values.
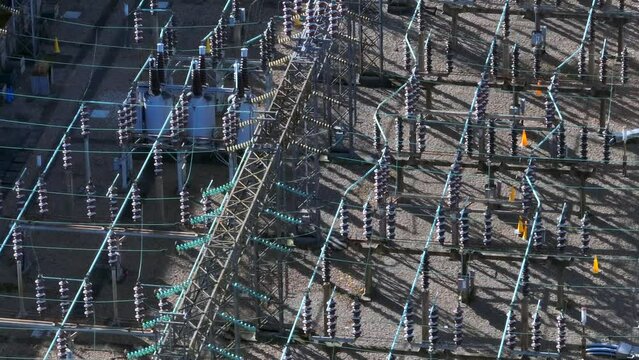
x=164, y=304
x=112, y=194
x=399, y=133
x=450, y=55
x=433, y=327
x=536, y=332
x=286, y=354
x=494, y=60
x=63, y=290
x=511, y=332
x=536, y=63
x=514, y=146
x=229, y=130
x=17, y=187
x=307, y=315
x=174, y=125
x=407, y=57
x=333, y=17
x=561, y=140
x=428, y=50
x=288, y=17
x=581, y=67
x=603, y=65
x=43, y=202
x=157, y=161
x=17, y=240
x=138, y=301
x=263, y=54
x=622, y=5
x=367, y=213
x=62, y=345
x=440, y=227
x=459, y=325
x=152, y=5
x=235, y=10
x=409, y=322
x=488, y=227
x=183, y=103
x=136, y=202
x=321, y=9
x=506, y=25
x=311, y=20
x=514, y=63
x=160, y=62
x=356, y=317
x=87, y=298
x=90, y=191
x=380, y=185
x=591, y=32
x=421, y=16
x=411, y=93
x=123, y=131
x=299, y=7
x=185, y=213
x=454, y=186
x=561, y=230
x=377, y=138
x=538, y=234
x=390, y=220
x=606, y=145
x=464, y=227
x=585, y=233
x=113, y=247
x=623, y=72
x=326, y=267
x=138, y=34
x=207, y=207
x=491, y=137
x=583, y=143
x=561, y=333
x=426, y=272
x=344, y=216
x=550, y=113
x=66, y=153
x=40, y=295
x=331, y=317
x=526, y=195
x=468, y=139
x=525, y=281
x=421, y=134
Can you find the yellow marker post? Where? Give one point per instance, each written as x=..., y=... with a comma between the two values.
x=595, y=266
x=512, y=194
x=520, y=226
x=525, y=232
x=56, y=45
x=209, y=47
x=297, y=21
x=524, y=139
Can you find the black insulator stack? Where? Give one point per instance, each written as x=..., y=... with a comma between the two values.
x=390, y=220
x=377, y=138
x=491, y=138
x=585, y=233
x=511, y=332
x=235, y=10
x=287, y=10
x=367, y=213
x=550, y=113
x=307, y=315
x=506, y=25
x=175, y=125
x=331, y=317
x=91, y=200
x=202, y=64
x=43, y=197
x=62, y=345
x=399, y=133
x=154, y=78
x=468, y=139
x=217, y=44
x=85, y=129
x=326, y=268
x=581, y=66
x=380, y=186
x=66, y=153
x=333, y=18
x=421, y=135
x=311, y=20
x=561, y=230
x=603, y=65
x=422, y=21
x=583, y=143
x=299, y=7
x=606, y=145
x=623, y=73
x=536, y=68
x=87, y=298
x=536, y=332
x=157, y=161
x=136, y=202
x=458, y=318
x=538, y=234
x=112, y=194
x=356, y=317
x=196, y=80
x=591, y=32
x=494, y=60
x=40, y=295
x=138, y=34
x=454, y=186
x=183, y=107
x=426, y=273
x=464, y=227
x=433, y=327
x=488, y=227
x=479, y=112
x=561, y=333
x=185, y=212
x=407, y=58
x=321, y=9
x=160, y=63
x=561, y=141
x=263, y=54
x=138, y=301
x=526, y=195
x=19, y=194
x=113, y=250
x=514, y=64
x=525, y=281
x=450, y=55
x=409, y=322
x=207, y=207
x=428, y=50
x=164, y=305
x=440, y=227
x=514, y=146
x=344, y=216
x=411, y=93
x=17, y=240
x=63, y=290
